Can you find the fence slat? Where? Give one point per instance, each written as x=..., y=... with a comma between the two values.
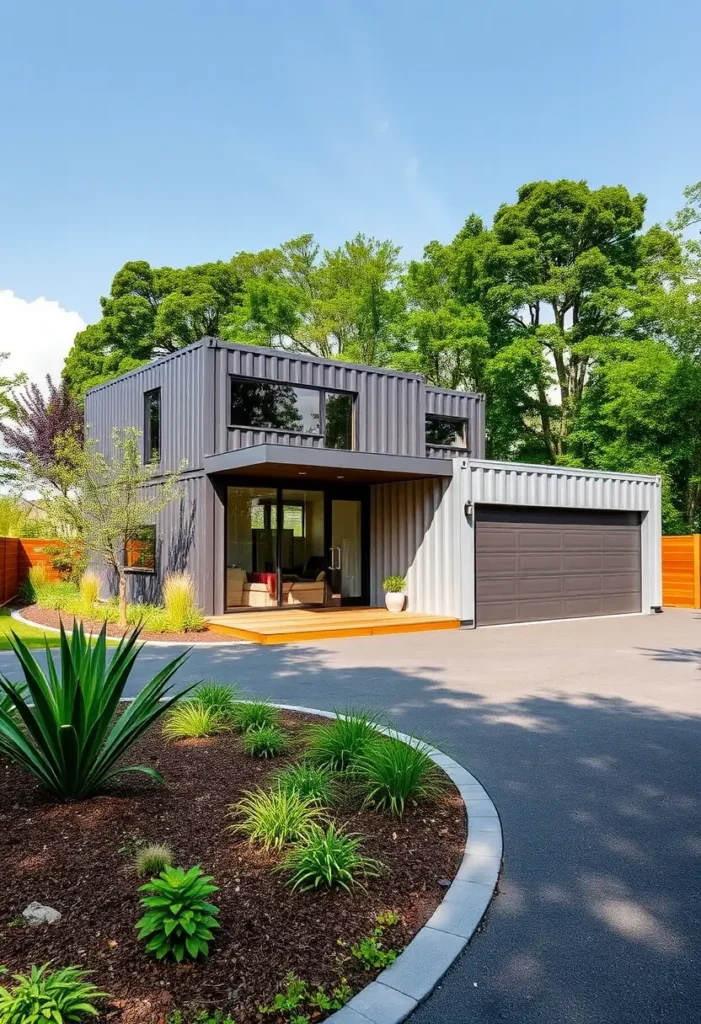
x=681, y=571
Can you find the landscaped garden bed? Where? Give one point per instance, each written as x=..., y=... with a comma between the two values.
x=80, y=857
x=53, y=618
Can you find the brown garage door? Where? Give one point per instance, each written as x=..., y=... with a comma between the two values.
x=539, y=563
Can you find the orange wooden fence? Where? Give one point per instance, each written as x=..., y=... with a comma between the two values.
x=17, y=556
x=681, y=571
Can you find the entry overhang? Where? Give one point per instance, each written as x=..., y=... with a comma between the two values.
x=283, y=461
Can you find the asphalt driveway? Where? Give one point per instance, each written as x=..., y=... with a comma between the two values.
x=587, y=735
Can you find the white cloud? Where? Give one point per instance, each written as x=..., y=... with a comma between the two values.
x=37, y=335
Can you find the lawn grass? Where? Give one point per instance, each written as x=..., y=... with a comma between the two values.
x=32, y=637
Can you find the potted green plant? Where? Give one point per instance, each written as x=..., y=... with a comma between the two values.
x=394, y=587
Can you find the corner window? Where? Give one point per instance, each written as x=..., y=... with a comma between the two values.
x=446, y=433
x=270, y=405
x=152, y=426
x=140, y=550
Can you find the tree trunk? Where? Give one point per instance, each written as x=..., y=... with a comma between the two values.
x=122, y=600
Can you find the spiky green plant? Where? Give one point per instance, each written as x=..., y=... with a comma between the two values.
x=340, y=743
x=273, y=818
x=178, y=919
x=189, y=719
x=152, y=859
x=69, y=737
x=220, y=697
x=180, y=601
x=328, y=857
x=56, y=997
x=392, y=772
x=313, y=782
x=89, y=590
x=265, y=742
x=255, y=714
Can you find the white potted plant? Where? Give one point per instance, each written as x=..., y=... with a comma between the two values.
x=394, y=587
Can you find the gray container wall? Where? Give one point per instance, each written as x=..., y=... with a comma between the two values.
x=120, y=403
x=415, y=532
x=508, y=483
x=390, y=408
x=462, y=405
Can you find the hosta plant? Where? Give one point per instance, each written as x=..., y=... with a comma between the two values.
x=49, y=997
x=179, y=920
x=329, y=858
x=69, y=737
x=393, y=772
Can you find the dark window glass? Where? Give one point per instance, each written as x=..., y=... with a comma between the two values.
x=445, y=432
x=339, y=421
x=152, y=426
x=140, y=550
x=277, y=406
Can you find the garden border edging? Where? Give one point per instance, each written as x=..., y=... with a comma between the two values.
x=400, y=988
x=16, y=614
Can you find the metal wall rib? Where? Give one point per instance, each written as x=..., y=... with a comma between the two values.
x=414, y=532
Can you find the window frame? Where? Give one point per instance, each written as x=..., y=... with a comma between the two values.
x=321, y=392
x=145, y=569
x=460, y=421
x=148, y=438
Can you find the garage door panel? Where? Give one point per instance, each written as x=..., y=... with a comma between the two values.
x=539, y=563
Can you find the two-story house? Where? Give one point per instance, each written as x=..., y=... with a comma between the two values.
x=307, y=481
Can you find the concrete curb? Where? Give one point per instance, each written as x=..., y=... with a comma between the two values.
x=17, y=615
x=399, y=989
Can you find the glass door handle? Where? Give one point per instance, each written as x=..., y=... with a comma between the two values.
x=331, y=565
x=339, y=558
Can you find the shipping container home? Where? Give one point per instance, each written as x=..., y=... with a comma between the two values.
x=306, y=481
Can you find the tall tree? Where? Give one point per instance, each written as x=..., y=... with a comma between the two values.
x=150, y=312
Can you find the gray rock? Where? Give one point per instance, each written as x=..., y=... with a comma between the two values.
x=37, y=913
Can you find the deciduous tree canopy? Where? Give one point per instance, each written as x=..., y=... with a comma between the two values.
x=582, y=326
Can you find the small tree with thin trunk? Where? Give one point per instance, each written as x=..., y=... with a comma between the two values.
x=111, y=500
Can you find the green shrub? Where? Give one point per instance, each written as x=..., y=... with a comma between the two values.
x=180, y=601
x=89, y=590
x=59, y=997
x=328, y=857
x=178, y=921
x=338, y=744
x=370, y=951
x=189, y=719
x=265, y=742
x=220, y=697
x=203, y=1017
x=58, y=596
x=392, y=772
x=313, y=782
x=35, y=581
x=152, y=859
x=298, y=996
x=394, y=584
x=70, y=740
x=255, y=714
x=273, y=818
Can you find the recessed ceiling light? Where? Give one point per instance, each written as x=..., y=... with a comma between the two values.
x=339, y=478
x=300, y=473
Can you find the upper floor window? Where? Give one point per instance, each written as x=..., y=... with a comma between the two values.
x=152, y=426
x=275, y=406
x=446, y=432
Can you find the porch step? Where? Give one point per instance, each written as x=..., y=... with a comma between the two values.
x=298, y=626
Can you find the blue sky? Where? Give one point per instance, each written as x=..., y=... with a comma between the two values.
x=182, y=132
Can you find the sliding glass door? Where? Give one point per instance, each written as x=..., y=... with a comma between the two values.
x=290, y=547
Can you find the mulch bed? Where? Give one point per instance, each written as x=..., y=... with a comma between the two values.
x=52, y=617
x=78, y=858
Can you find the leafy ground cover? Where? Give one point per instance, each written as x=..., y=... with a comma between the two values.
x=286, y=950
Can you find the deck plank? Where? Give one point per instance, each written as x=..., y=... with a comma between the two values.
x=299, y=625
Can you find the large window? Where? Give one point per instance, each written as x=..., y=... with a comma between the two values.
x=446, y=433
x=140, y=550
x=274, y=406
x=152, y=426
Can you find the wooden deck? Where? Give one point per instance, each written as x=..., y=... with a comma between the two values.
x=297, y=625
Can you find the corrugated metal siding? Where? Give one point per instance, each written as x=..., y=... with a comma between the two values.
x=438, y=451
x=120, y=403
x=463, y=405
x=389, y=414
x=415, y=533
x=506, y=483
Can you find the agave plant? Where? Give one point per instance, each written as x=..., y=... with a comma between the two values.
x=63, y=729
